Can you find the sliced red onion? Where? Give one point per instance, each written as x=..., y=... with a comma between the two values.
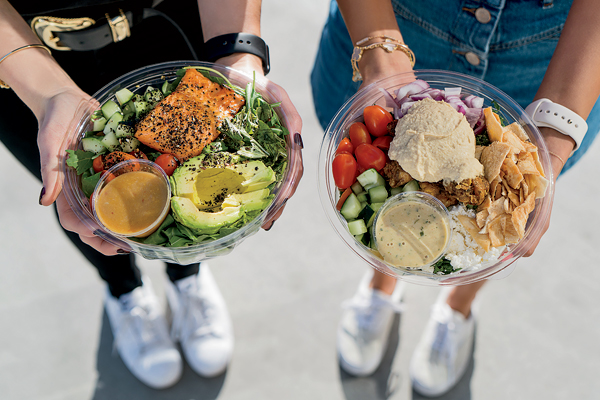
x=452, y=91
x=412, y=88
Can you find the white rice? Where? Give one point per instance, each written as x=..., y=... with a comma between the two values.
x=464, y=252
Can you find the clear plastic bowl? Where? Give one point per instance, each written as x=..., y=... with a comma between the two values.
x=136, y=81
x=352, y=111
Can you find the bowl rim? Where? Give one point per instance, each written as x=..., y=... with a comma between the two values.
x=370, y=95
x=141, y=78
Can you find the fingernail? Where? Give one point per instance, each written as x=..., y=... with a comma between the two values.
x=269, y=228
x=42, y=193
x=121, y=251
x=298, y=140
x=97, y=232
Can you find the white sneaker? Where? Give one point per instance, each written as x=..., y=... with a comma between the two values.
x=201, y=322
x=443, y=353
x=141, y=337
x=365, y=326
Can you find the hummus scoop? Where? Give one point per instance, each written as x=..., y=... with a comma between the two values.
x=434, y=142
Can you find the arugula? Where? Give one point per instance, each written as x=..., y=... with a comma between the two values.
x=482, y=139
x=444, y=267
x=496, y=109
x=81, y=160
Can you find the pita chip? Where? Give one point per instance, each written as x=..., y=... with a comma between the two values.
x=526, y=164
x=512, y=175
x=492, y=158
x=515, y=143
x=471, y=227
x=510, y=232
x=492, y=123
x=517, y=129
x=495, y=232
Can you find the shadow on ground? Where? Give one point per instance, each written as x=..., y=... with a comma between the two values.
x=115, y=382
x=383, y=382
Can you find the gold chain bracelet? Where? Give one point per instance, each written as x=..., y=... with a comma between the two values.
x=389, y=45
x=3, y=85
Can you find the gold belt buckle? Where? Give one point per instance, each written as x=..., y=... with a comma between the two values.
x=119, y=26
x=45, y=28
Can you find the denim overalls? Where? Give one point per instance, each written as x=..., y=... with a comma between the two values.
x=507, y=43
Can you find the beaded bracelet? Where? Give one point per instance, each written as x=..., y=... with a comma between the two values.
x=3, y=85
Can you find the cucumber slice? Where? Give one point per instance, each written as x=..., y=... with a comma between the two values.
x=376, y=206
x=165, y=88
x=123, y=96
x=378, y=194
x=370, y=178
x=357, y=227
x=93, y=144
x=124, y=130
x=112, y=123
x=351, y=207
x=395, y=191
x=98, y=123
x=110, y=141
x=412, y=186
x=370, y=221
x=357, y=188
x=153, y=96
x=129, y=144
x=128, y=111
x=141, y=108
x=109, y=108
x=363, y=197
x=366, y=213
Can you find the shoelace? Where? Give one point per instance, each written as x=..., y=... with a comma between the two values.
x=137, y=322
x=366, y=308
x=195, y=317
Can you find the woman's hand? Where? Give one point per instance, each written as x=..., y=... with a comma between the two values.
x=54, y=121
x=250, y=64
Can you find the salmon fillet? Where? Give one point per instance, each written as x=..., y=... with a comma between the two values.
x=187, y=120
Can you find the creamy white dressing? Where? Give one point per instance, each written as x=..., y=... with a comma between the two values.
x=411, y=234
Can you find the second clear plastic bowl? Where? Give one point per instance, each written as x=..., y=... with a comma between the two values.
x=155, y=75
x=352, y=111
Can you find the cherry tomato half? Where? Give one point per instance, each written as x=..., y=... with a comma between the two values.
x=376, y=120
x=369, y=156
x=383, y=142
x=359, y=134
x=168, y=162
x=116, y=157
x=137, y=153
x=98, y=164
x=344, y=170
x=345, y=146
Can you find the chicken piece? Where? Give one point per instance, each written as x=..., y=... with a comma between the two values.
x=395, y=175
x=437, y=190
x=188, y=119
x=391, y=127
x=469, y=191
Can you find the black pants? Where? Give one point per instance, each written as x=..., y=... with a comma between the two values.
x=152, y=41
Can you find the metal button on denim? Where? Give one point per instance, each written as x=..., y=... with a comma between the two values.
x=472, y=58
x=482, y=15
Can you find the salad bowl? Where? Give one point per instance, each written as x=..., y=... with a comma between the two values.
x=378, y=93
x=156, y=75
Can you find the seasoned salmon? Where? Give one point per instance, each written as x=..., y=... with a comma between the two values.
x=188, y=119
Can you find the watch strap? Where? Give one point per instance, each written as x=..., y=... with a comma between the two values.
x=547, y=114
x=231, y=43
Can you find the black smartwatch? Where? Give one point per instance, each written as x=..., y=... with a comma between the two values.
x=225, y=45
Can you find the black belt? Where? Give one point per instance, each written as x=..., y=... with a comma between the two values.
x=85, y=34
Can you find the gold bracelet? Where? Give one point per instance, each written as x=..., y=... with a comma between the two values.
x=3, y=85
x=389, y=45
x=557, y=156
x=387, y=39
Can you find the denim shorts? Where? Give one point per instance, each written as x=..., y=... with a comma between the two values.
x=511, y=51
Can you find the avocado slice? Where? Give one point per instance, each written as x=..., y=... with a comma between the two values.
x=203, y=222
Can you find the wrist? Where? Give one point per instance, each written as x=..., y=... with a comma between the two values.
x=560, y=147
x=244, y=62
x=377, y=64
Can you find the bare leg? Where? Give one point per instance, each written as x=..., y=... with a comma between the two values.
x=383, y=282
x=461, y=297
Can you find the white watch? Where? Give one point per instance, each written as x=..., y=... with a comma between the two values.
x=546, y=114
